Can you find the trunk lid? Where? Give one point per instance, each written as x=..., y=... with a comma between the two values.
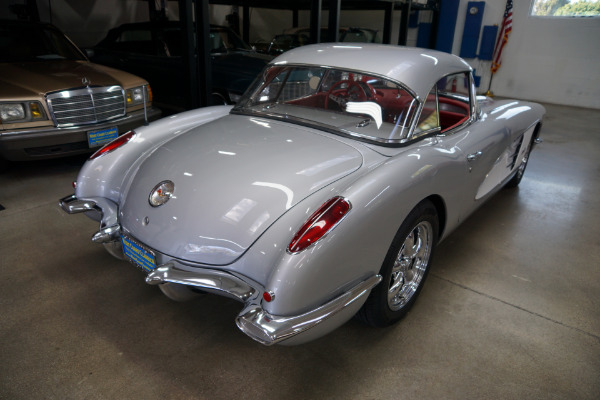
x=233, y=178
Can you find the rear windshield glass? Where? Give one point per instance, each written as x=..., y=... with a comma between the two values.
x=352, y=103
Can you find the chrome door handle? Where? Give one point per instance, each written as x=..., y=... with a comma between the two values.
x=474, y=156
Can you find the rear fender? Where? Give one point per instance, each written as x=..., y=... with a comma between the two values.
x=355, y=249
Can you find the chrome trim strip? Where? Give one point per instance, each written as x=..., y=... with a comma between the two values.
x=270, y=329
x=72, y=205
x=220, y=282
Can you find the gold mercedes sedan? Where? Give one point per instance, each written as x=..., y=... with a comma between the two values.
x=54, y=102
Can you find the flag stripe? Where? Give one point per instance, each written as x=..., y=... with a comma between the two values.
x=503, y=36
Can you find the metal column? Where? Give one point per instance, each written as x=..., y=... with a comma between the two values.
x=333, y=30
x=403, y=36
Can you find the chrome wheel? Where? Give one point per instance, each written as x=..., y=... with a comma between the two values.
x=410, y=265
x=404, y=268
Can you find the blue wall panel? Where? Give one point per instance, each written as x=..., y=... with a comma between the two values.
x=488, y=41
x=447, y=25
x=423, y=35
x=470, y=39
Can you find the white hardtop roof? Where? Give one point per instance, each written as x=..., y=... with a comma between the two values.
x=418, y=69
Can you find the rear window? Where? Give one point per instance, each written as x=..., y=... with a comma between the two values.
x=348, y=102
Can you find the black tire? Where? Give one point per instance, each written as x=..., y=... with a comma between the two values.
x=515, y=180
x=404, y=269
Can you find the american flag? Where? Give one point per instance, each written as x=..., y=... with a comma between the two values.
x=503, y=36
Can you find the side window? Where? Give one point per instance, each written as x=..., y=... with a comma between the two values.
x=430, y=117
x=455, y=84
x=454, y=101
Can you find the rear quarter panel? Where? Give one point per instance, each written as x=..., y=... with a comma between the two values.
x=381, y=199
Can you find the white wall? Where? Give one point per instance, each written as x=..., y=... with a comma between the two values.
x=553, y=60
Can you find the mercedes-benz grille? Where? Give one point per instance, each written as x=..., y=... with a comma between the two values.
x=87, y=105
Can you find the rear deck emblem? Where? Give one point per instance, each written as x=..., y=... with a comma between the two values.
x=161, y=193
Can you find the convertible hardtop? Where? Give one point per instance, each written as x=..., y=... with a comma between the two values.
x=418, y=69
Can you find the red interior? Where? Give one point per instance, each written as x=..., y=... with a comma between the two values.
x=393, y=106
x=450, y=119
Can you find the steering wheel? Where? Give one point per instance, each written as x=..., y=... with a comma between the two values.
x=354, y=91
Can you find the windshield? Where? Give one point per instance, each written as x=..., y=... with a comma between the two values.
x=347, y=102
x=20, y=43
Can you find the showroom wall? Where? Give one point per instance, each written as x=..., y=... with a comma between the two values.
x=553, y=60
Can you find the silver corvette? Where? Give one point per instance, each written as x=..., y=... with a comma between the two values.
x=320, y=196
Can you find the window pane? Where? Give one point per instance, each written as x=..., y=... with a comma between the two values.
x=350, y=102
x=454, y=100
x=457, y=84
x=565, y=8
x=429, y=118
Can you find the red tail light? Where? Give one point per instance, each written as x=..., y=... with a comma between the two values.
x=319, y=224
x=115, y=144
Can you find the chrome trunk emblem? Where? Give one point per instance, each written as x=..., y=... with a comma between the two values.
x=161, y=193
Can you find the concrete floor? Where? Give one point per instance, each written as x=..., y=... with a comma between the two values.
x=511, y=309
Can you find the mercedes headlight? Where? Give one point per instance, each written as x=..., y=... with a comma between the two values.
x=136, y=95
x=27, y=111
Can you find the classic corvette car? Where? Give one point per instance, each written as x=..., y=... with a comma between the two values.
x=54, y=102
x=320, y=196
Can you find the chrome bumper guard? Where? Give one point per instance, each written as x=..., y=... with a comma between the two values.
x=72, y=205
x=270, y=329
x=253, y=320
x=214, y=281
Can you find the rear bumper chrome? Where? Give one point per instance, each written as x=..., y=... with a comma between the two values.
x=218, y=282
x=270, y=329
x=72, y=205
x=253, y=320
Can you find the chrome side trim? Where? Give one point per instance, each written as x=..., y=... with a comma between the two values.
x=72, y=205
x=220, y=282
x=270, y=329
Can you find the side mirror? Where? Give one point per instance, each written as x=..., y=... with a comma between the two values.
x=89, y=53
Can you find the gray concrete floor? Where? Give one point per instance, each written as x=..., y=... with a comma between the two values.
x=511, y=309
